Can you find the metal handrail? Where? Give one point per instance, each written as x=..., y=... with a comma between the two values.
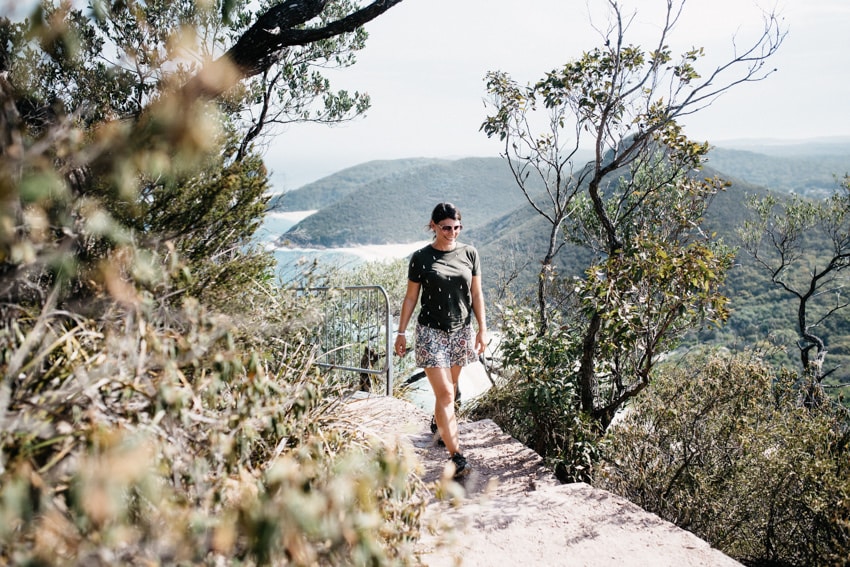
x=359, y=326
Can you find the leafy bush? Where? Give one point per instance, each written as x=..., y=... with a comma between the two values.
x=722, y=447
x=186, y=437
x=536, y=400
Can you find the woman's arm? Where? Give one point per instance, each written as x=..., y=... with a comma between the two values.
x=480, y=316
x=408, y=304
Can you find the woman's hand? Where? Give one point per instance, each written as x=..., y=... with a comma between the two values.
x=400, y=345
x=481, y=342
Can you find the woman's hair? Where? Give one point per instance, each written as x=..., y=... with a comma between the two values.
x=445, y=211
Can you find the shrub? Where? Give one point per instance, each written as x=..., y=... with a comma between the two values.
x=721, y=446
x=186, y=437
x=536, y=400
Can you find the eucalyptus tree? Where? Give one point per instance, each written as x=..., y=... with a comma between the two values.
x=638, y=203
x=150, y=118
x=780, y=237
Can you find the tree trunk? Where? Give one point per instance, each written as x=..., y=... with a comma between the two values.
x=587, y=379
x=545, y=274
x=542, y=290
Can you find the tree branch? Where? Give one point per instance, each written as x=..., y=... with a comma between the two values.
x=258, y=48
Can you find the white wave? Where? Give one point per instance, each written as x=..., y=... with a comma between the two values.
x=367, y=253
x=291, y=216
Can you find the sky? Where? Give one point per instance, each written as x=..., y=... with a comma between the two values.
x=425, y=63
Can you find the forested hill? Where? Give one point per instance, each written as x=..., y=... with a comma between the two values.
x=330, y=189
x=515, y=243
x=389, y=201
x=795, y=169
x=395, y=207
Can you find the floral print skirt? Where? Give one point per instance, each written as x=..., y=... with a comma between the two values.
x=442, y=349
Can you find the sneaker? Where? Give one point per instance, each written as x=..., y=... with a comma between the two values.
x=434, y=430
x=462, y=468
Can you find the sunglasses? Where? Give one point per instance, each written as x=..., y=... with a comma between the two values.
x=449, y=227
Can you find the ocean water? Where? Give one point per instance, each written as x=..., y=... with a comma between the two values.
x=292, y=262
x=277, y=223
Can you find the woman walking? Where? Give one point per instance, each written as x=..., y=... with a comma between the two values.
x=446, y=275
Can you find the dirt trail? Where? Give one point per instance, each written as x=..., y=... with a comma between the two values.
x=512, y=511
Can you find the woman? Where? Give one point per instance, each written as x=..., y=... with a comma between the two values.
x=447, y=275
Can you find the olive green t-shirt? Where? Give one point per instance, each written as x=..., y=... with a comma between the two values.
x=446, y=285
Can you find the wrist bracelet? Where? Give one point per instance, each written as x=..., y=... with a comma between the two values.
x=402, y=333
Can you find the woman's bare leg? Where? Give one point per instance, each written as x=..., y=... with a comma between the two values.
x=443, y=382
x=455, y=378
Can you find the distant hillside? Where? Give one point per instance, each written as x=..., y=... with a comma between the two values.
x=332, y=188
x=402, y=192
x=836, y=145
x=807, y=174
x=395, y=208
x=518, y=238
